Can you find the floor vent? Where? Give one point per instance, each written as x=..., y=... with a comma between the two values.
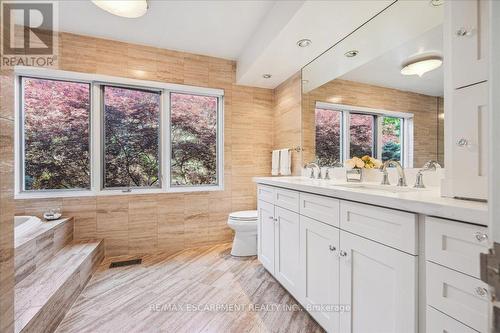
x=125, y=263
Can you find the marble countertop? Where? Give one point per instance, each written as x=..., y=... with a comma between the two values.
x=426, y=201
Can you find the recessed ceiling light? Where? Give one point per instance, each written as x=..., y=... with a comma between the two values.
x=421, y=66
x=266, y=76
x=123, y=8
x=351, y=54
x=304, y=42
x=437, y=3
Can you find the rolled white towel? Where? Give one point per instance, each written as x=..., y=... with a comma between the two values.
x=275, y=167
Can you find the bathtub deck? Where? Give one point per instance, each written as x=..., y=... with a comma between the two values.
x=32, y=229
x=37, y=242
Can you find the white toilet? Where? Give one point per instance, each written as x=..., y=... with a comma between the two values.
x=244, y=224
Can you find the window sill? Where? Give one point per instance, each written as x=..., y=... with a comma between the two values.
x=88, y=193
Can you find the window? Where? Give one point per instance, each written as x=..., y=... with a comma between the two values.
x=328, y=136
x=55, y=136
x=361, y=135
x=392, y=139
x=81, y=134
x=343, y=132
x=131, y=137
x=193, y=139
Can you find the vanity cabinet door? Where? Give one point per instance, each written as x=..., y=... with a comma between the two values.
x=266, y=229
x=379, y=284
x=319, y=245
x=470, y=146
x=286, y=249
x=469, y=38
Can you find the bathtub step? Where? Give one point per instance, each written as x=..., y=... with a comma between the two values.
x=44, y=296
x=37, y=242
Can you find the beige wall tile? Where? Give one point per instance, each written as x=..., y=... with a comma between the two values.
x=170, y=222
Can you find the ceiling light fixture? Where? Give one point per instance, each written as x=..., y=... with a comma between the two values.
x=304, y=42
x=421, y=66
x=123, y=8
x=351, y=54
x=266, y=76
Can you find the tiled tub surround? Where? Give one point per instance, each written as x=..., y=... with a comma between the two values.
x=36, y=242
x=50, y=271
x=148, y=223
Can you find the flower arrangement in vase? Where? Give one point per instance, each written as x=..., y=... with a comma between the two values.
x=356, y=165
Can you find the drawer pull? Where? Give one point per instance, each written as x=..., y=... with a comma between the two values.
x=271, y=218
x=480, y=291
x=343, y=253
x=332, y=248
x=480, y=236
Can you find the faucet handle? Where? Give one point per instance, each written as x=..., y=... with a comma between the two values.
x=419, y=181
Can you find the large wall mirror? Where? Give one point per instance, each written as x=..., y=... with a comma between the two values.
x=379, y=91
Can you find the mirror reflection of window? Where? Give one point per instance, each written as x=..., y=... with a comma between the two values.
x=392, y=139
x=328, y=136
x=361, y=135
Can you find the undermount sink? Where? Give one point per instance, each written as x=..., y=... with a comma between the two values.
x=386, y=188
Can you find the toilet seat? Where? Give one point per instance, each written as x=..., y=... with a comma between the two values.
x=245, y=215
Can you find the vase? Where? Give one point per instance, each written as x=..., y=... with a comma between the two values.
x=354, y=175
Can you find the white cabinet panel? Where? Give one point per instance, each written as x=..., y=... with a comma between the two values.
x=455, y=245
x=470, y=141
x=321, y=208
x=319, y=245
x=469, y=37
x=287, y=199
x=379, y=283
x=458, y=295
x=287, y=251
x=438, y=322
x=391, y=227
x=265, y=193
x=266, y=230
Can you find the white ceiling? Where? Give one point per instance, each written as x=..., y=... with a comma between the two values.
x=385, y=70
x=214, y=28
x=404, y=21
x=260, y=35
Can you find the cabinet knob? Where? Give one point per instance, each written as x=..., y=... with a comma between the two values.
x=462, y=142
x=343, y=253
x=463, y=32
x=332, y=248
x=481, y=236
x=480, y=291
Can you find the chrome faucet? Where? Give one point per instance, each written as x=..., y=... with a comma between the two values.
x=429, y=166
x=313, y=167
x=401, y=173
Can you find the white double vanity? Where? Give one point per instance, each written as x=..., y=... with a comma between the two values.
x=373, y=260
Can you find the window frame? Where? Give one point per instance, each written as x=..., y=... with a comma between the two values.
x=102, y=136
x=378, y=114
x=219, y=147
x=21, y=136
x=96, y=130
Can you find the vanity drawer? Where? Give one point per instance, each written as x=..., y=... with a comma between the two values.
x=458, y=295
x=438, y=322
x=320, y=208
x=287, y=199
x=455, y=245
x=390, y=227
x=265, y=193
